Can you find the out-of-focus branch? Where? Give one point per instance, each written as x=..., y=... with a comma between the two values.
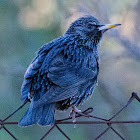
x=132, y=49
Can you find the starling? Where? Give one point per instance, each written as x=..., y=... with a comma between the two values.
x=64, y=71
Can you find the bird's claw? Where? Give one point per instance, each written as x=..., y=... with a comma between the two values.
x=73, y=113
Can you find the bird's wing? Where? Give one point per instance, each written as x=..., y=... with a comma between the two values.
x=48, y=68
x=37, y=70
x=67, y=79
x=33, y=70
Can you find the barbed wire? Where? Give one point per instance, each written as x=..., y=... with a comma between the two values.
x=85, y=113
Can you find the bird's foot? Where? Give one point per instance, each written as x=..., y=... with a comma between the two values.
x=73, y=113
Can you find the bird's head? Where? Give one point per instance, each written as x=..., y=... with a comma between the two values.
x=89, y=28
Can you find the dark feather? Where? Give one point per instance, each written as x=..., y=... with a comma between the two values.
x=63, y=73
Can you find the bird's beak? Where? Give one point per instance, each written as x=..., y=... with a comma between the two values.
x=107, y=26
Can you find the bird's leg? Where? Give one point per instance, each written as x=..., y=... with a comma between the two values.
x=73, y=113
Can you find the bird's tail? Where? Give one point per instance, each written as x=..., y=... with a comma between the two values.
x=43, y=115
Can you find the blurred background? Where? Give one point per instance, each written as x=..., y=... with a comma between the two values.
x=25, y=25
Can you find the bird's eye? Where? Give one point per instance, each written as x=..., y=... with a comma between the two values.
x=90, y=26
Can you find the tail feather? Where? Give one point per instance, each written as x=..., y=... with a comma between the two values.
x=43, y=115
x=47, y=117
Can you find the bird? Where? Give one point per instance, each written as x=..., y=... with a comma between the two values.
x=64, y=71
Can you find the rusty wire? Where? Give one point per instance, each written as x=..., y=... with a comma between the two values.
x=85, y=113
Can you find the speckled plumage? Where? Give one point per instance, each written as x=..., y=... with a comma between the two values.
x=63, y=73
